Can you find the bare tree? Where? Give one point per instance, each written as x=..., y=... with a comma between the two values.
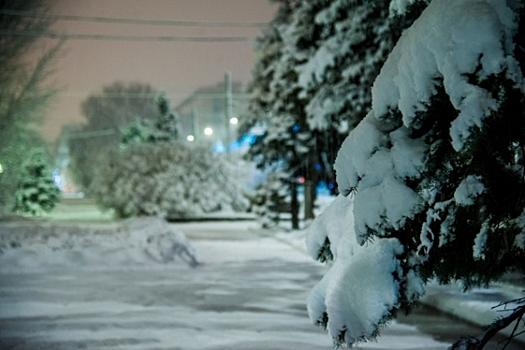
x=25, y=64
x=106, y=113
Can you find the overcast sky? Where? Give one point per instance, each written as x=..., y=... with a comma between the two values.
x=178, y=68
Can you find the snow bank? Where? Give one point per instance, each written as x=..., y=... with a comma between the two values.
x=30, y=247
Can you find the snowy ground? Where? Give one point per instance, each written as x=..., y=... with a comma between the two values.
x=69, y=292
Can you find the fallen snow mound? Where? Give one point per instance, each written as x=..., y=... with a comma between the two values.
x=140, y=242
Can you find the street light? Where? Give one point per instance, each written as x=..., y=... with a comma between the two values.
x=234, y=121
x=208, y=131
x=190, y=138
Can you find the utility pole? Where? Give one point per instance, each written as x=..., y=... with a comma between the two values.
x=228, y=107
x=195, y=124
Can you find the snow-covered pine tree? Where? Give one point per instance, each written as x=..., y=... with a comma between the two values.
x=36, y=192
x=316, y=72
x=268, y=48
x=270, y=198
x=267, y=151
x=164, y=128
x=355, y=38
x=432, y=180
x=167, y=123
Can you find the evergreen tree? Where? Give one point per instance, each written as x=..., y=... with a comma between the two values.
x=287, y=142
x=270, y=198
x=164, y=128
x=312, y=82
x=354, y=40
x=432, y=179
x=36, y=192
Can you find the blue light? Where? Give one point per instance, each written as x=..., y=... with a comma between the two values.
x=296, y=128
x=219, y=147
x=235, y=145
x=57, y=179
x=248, y=139
x=318, y=166
x=331, y=186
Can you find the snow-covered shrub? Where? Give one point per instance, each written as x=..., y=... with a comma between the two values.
x=36, y=192
x=169, y=179
x=431, y=180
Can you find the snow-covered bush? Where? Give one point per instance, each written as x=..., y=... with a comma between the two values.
x=169, y=179
x=432, y=180
x=36, y=192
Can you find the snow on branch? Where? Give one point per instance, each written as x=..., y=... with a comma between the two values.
x=428, y=180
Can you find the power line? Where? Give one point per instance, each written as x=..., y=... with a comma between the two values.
x=134, y=21
x=89, y=134
x=138, y=95
x=65, y=36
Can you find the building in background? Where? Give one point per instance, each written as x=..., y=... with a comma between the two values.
x=204, y=116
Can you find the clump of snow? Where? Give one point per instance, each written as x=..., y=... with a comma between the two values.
x=464, y=34
x=480, y=242
x=137, y=242
x=468, y=190
x=376, y=173
x=359, y=290
x=314, y=68
x=399, y=7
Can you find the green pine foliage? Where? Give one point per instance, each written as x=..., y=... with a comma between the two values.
x=313, y=77
x=36, y=192
x=435, y=172
x=164, y=128
x=270, y=199
x=491, y=220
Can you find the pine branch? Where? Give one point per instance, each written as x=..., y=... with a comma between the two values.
x=478, y=343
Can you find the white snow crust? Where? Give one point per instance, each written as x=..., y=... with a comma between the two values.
x=138, y=242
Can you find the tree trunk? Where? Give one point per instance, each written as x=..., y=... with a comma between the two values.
x=294, y=206
x=309, y=189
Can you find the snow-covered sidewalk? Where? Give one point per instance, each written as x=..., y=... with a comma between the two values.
x=248, y=293
x=479, y=306
x=97, y=288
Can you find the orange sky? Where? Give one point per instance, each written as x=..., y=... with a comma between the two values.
x=174, y=67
